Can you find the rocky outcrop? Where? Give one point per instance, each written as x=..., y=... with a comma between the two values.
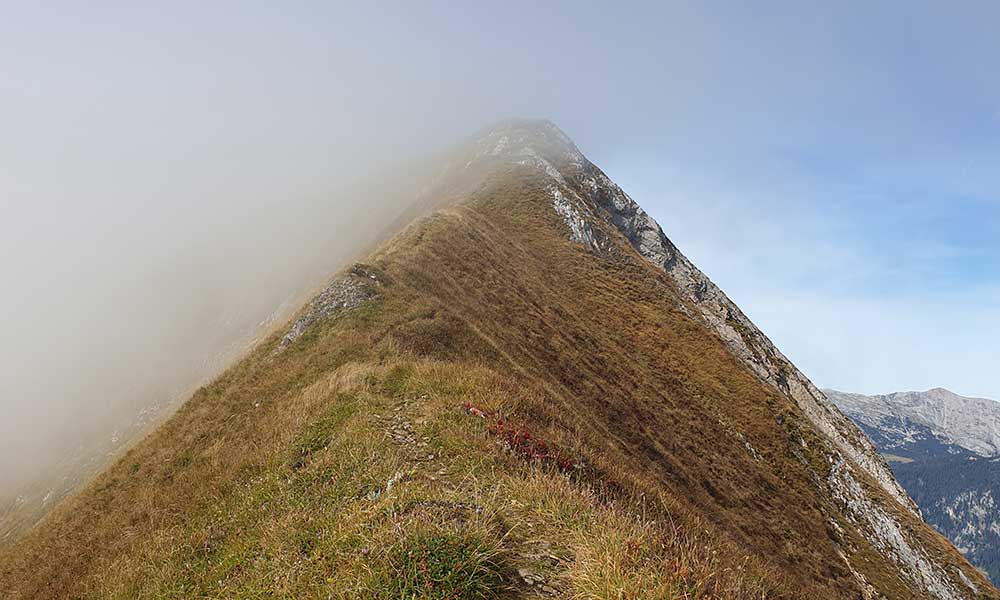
x=888, y=535
x=343, y=293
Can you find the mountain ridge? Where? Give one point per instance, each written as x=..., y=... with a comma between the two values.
x=972, y=423
x=647, y=238
x=536, y=330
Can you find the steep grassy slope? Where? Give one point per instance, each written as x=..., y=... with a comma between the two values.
x=355, y=459
x=487, y=408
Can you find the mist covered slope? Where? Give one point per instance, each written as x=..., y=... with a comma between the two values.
x=95, y=363
x=527, y=392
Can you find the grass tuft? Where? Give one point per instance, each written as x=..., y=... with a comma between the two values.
x=435, y=565
x=320, y=433
x=398, y=379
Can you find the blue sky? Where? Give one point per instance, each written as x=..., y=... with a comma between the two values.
x=866, y=286
x=839, y=175
x=836, y=169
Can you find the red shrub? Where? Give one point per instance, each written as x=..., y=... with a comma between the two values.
x=519, y=440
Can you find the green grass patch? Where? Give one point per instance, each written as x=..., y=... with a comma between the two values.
x=319, y=434
x=429, y=565
x=397, y=381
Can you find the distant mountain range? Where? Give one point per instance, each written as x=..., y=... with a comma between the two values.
x=945, y=450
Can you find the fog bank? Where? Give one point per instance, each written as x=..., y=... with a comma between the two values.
x=173, y=183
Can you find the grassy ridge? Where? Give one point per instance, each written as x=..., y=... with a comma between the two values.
x=511, y=416
x=350, y=467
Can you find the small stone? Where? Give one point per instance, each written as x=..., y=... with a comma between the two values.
x=529, y=577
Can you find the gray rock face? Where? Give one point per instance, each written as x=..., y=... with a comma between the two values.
x=588, y=202
x=889, y=536
x=972, y=423
x=343, y=293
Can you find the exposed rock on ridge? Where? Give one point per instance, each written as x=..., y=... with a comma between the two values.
x=345, y=292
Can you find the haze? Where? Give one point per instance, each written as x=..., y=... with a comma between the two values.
x=173, y=179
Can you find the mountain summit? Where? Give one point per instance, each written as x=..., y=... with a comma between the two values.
x=527, y=392
x=971, y=423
